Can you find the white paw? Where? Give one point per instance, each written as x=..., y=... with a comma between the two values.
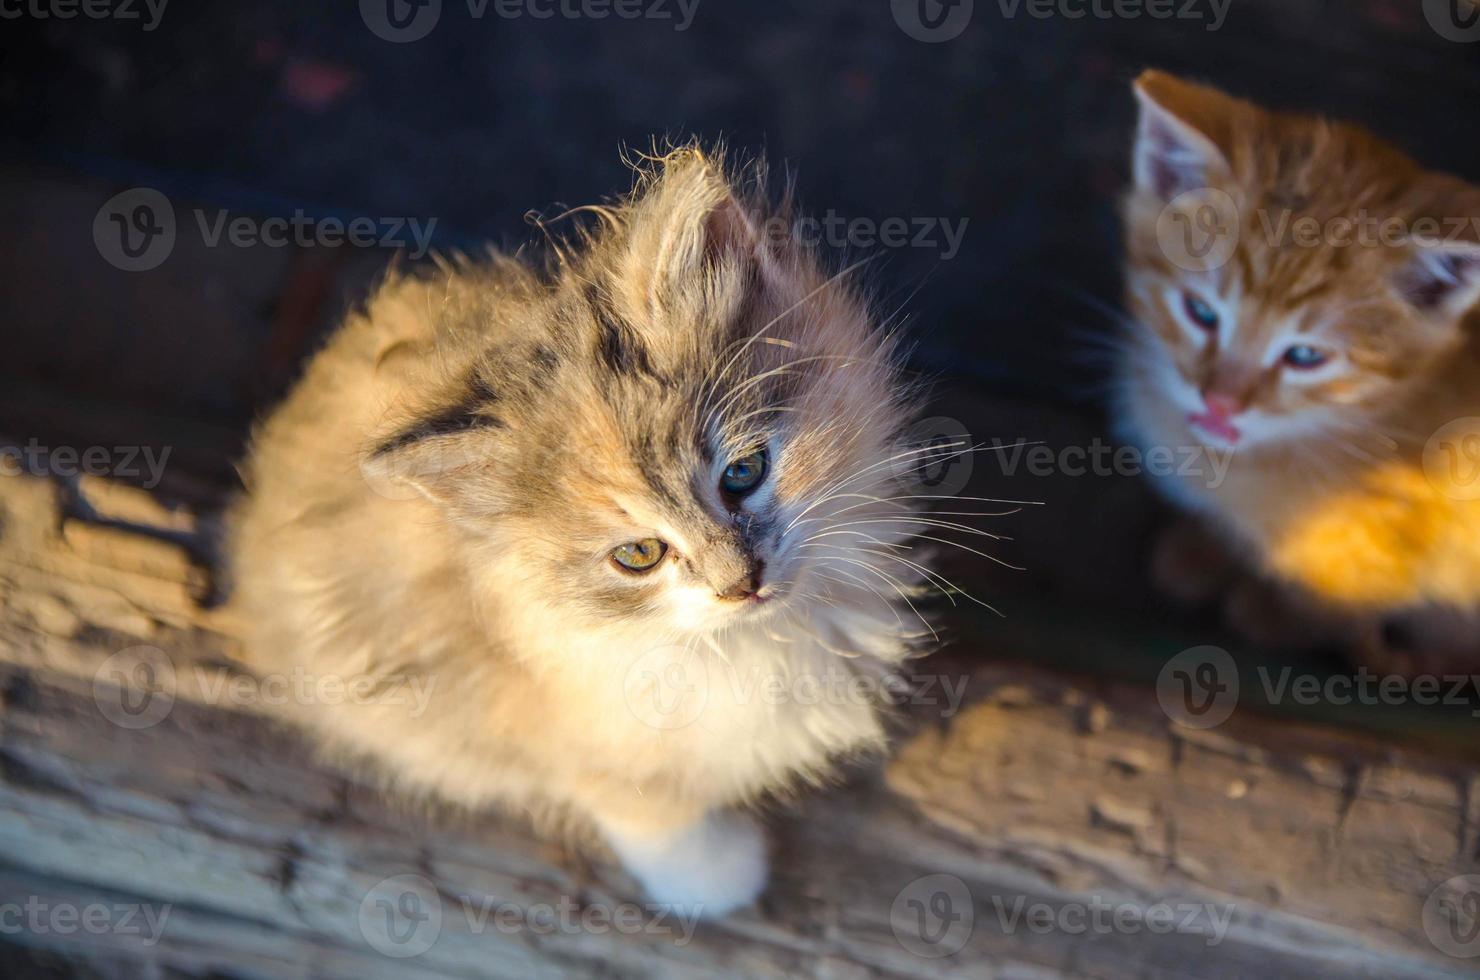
x=710, y=869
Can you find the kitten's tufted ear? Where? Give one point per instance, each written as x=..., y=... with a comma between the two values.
x=1181, y=128
x=426, y=454
x=689, y=224
x=1441, y=279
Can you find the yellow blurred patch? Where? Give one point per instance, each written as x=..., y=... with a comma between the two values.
x=1393, y=541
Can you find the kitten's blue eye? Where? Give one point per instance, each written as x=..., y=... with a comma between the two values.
x=744, y=474
x=1305, y=357
x=1200, y=312
x=640, y=556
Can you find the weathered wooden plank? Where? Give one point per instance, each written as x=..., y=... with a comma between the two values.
x=1064, y=811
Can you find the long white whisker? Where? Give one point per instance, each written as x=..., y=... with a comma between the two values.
x=895, y=586
x=782, y=369
x=777, y=319
x=934, y=575
x=830, y=492
x=888, y=603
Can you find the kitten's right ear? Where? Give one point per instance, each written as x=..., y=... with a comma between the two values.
x=1177, y=138
x=425, y=456
x=1442, y=278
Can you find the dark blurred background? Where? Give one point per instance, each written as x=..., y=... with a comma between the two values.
x=1008, y=127
x=1018, y=125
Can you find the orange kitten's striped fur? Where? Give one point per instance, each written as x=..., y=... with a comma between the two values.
x=1324, y=362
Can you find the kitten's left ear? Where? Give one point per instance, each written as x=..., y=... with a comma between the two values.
x=1177, y=138
x=1441, y=279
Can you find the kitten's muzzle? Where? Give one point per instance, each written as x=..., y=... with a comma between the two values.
x=1218, y=417
x=747, y=586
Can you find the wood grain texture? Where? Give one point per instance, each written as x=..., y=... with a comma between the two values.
x=1045, y=798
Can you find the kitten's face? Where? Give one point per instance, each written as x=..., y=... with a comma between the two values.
x=1245, y=367
x=682, y=504
x=663, y=440
x=1323, y=318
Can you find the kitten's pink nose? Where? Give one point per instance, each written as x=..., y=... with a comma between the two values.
x=747, y=587
x=1218, y=419
x=1222, y=406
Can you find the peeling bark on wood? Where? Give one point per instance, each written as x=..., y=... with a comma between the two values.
x=1044, y=790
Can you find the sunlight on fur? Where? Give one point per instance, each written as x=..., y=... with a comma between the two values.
x=604, y=505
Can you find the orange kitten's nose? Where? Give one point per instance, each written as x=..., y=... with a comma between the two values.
x=1217, y=421
x=1222, y=406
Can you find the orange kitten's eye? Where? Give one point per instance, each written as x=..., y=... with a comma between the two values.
x=640, y=556
x=1305, y=357
x=1199, y=312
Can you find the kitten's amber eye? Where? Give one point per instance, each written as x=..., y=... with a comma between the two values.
x=744, y=474
x=1199, y=312
x=1305, y=357
x=640, y=556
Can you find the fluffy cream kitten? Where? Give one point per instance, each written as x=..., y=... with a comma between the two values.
x=634, y=518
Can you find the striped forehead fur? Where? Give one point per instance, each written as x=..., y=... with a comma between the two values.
x=668, y=331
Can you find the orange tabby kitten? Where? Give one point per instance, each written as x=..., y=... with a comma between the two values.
x=1304, y=298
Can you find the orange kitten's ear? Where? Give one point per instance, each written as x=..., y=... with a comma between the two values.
x=1177, y=139
x=1442, y=279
